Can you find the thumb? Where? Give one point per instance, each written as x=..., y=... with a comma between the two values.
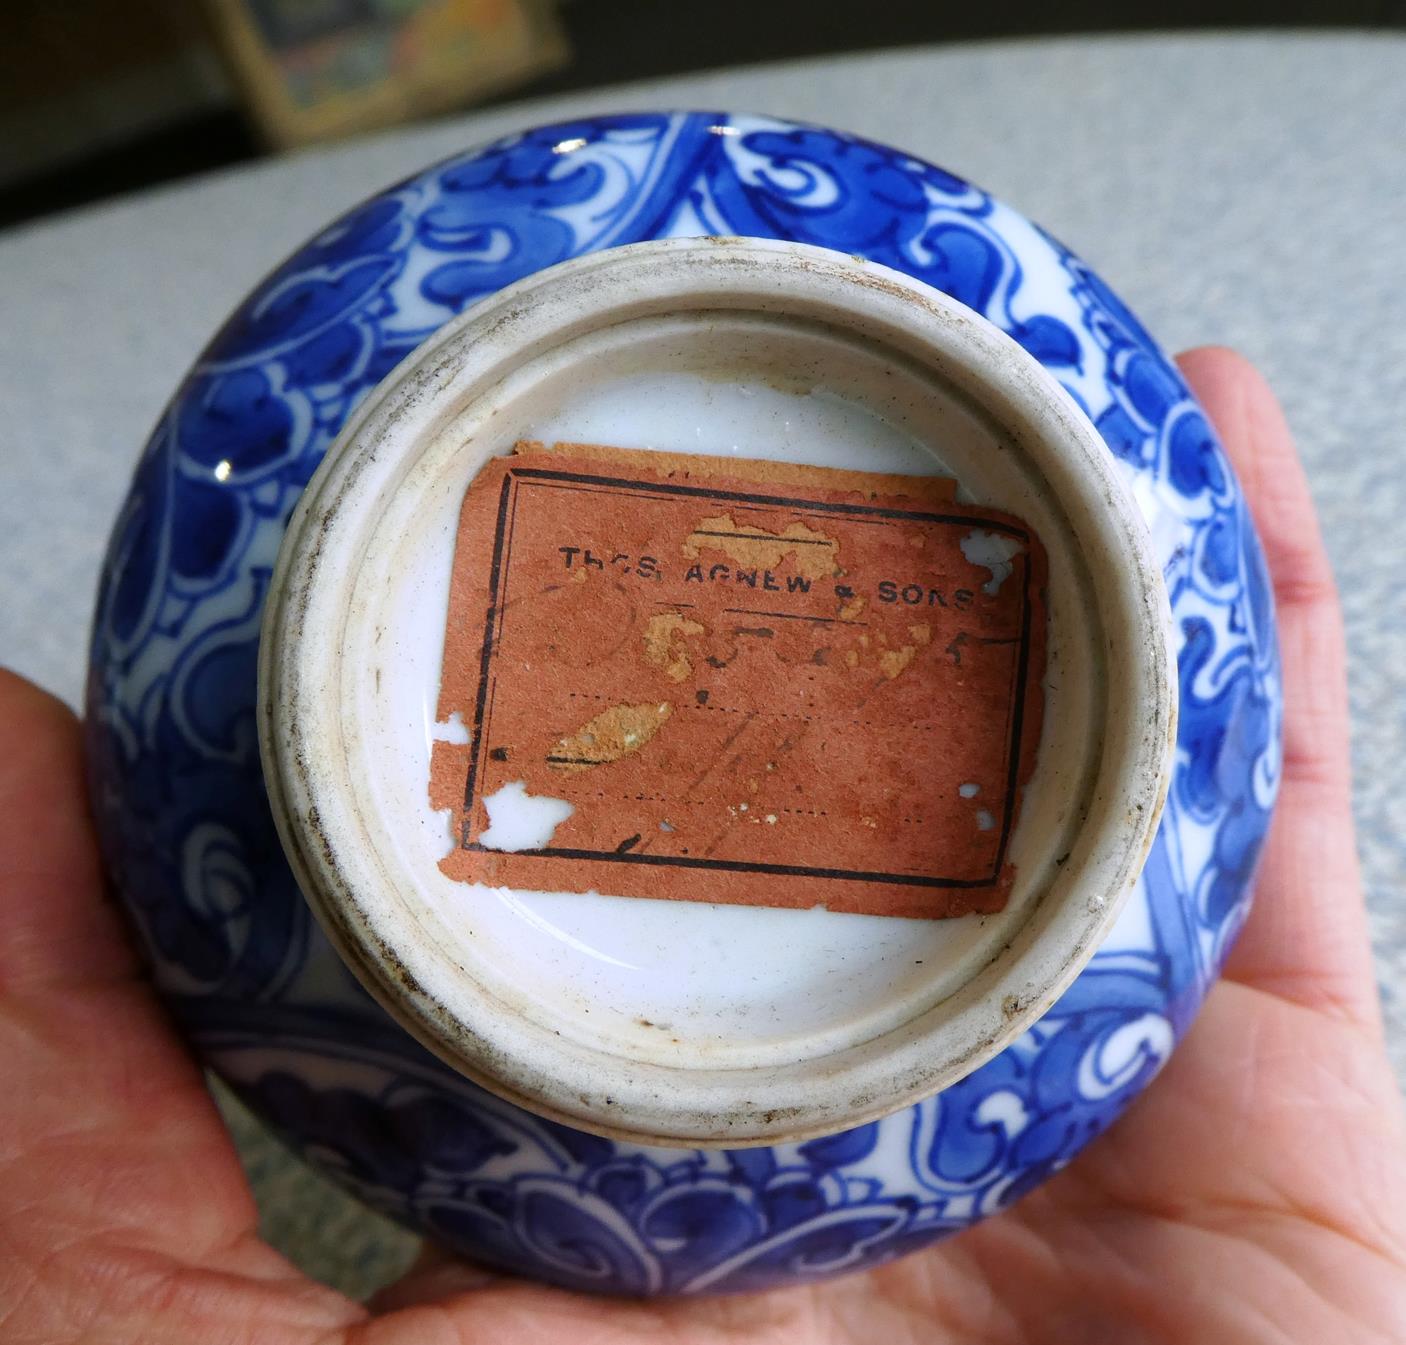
x=123, y=1210
x=58, y=930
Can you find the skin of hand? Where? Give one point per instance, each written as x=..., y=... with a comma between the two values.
x=1255, y=1192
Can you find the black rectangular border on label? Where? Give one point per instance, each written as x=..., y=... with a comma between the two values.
x=497, y=577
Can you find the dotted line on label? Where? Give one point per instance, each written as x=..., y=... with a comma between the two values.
x=761, y=809
x=770, y=714
x=754, y=809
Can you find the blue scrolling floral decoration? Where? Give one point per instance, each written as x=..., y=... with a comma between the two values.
x=191, y=845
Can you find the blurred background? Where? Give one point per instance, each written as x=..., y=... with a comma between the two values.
x=99, y=97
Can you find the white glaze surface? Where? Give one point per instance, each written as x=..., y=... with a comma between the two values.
x=685, y=981
x=779, y=1022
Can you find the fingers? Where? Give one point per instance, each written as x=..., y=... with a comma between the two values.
x=435, y=1276
x=1306, y=938
x=103, y=1119
x=58, y=928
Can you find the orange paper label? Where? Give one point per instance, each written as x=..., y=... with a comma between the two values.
x=744, y=682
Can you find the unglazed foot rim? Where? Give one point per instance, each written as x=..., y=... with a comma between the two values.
x=400, y=441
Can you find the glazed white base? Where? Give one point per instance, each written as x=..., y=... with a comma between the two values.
x=682, y=982
x=780, y=1023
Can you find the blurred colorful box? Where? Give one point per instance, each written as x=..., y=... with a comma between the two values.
x=316, y=69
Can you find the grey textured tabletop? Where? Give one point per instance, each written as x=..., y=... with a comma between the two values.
x=1246, y=190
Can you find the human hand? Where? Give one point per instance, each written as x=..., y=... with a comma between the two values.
x=1255, y=1192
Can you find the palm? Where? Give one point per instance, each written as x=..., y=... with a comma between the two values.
x=1256, y=1192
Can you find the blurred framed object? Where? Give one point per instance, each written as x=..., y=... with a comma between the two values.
x=315, y=69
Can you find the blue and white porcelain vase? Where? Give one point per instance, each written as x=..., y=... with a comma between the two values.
x=193, y=844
